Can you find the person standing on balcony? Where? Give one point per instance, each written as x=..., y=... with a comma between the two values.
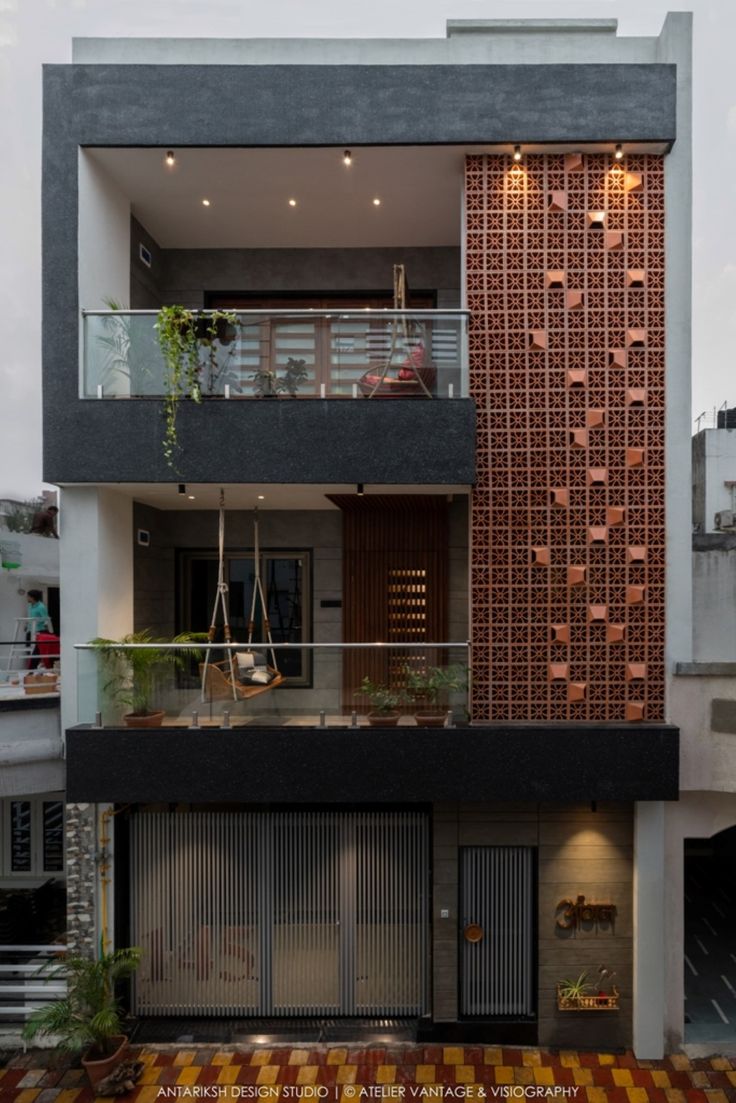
x=44, y=522
x=38, y=621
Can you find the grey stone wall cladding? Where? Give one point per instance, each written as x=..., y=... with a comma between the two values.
x=81, y=876
x=579, y=851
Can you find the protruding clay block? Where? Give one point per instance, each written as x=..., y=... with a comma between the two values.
x=597, y=613
x=557, y=201
x=576, y=691
x=633, y=182
x=615, y=633
x=540, y=557
x=615, y=515
x=559, y=497
x=560, y=633
x=596, y=419
x=636, y=396
x=634, y=710
x=596, y=220
x=576, y=576
x=554, y=279
x=636, y=277
x=635, y=671
x=617, y=358
x=538, y=340
x=613, y=239
x=579, y=438
x=636, y=554
x=597, y=534
x=573, y=162
x=634, y=457
x=574, y=300
x=636, y=338
x=597, y=476
x=557, y=672
x=635, y=595
x=576, y=377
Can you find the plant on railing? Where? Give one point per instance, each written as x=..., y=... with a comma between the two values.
x=183, y=336
x=429, y=689
x=295, y=374
x=132, y=671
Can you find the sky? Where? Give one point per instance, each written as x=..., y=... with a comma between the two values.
x=33, y=32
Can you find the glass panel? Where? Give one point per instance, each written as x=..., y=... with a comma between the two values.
x=21, y=843
x=53, y=836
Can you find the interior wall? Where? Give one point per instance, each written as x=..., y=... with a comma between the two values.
x=103, y=238
x=580, y=852
x=186, y=276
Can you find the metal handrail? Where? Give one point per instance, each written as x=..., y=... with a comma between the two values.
x=205, y=645
x=308, y=312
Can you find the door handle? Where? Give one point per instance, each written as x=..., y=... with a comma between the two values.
x=473, y=932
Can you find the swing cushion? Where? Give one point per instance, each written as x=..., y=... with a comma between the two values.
x=246, y=660
x=255, y=676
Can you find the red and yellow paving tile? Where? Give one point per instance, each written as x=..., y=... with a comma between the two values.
x=408, y=1074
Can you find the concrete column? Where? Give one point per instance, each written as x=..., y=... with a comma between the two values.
x=649, y=930
x=96, y=559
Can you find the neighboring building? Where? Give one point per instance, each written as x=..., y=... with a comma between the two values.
x=714, y=476
x=291, y=870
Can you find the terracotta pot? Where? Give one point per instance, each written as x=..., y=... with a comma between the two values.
x=434, y=719
x=150, y=720
x=383, y=719
x=98, y=1069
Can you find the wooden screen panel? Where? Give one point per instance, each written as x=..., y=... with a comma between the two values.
x=565, y=284
x=395, y=574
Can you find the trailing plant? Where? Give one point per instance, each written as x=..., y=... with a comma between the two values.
x=132, y=671
x=89, y=1015
x=189, y=342
x=382, y=697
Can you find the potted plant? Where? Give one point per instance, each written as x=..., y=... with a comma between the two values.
x=385, y=701
x=132, y=672
x=295, y=374
x=88, y=1018
x=571, y=992
x=266, y=383
x=184, y=336
x=429, y=687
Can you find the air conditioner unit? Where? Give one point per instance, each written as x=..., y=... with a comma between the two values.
x=725, y=519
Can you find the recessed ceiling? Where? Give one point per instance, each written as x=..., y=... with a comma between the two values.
x=281, y=496
x=419, y=188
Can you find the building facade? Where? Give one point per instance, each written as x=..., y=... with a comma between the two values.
x=492, y=464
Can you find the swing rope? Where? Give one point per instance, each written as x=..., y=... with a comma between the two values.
x=258, y=593
x=220, y=602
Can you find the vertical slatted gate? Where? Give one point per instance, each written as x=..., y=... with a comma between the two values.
x=497, y=887
x=285, y=913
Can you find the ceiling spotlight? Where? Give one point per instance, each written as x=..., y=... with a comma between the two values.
x=170, y=158
x=261, y=497
x=376, y=202
x=347, y=157
x=360, y=490
x=205, y=202
x=190, y=497
x=517, y=154
x=619, y=152
x=182, y=488
x=292, y=202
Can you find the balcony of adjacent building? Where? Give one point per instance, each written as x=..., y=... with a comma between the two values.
x=234, y=285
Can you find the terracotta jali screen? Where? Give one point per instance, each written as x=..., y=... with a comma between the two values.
x=565, y=270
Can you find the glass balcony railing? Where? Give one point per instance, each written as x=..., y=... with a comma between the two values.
x=312, y=685
x=301, y=354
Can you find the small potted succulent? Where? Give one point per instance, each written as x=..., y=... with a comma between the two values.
x=385, y=702
x=572, y=991
x=88, y=1018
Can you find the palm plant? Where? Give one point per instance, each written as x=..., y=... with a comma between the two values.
x=89, y=1015
x=133, y=670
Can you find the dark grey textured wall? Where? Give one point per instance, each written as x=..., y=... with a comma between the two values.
x=145, y=283
x=495, y=762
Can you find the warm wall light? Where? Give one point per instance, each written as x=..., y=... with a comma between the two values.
x=205, y=202
x=347, y=157
x=360, y=490
x=376, y=202
x=292, y=202
x=170, y=158
x=182, y=488
x=517, y=154
x=619, y=152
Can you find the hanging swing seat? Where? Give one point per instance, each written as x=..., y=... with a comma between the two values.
x=217, y=682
